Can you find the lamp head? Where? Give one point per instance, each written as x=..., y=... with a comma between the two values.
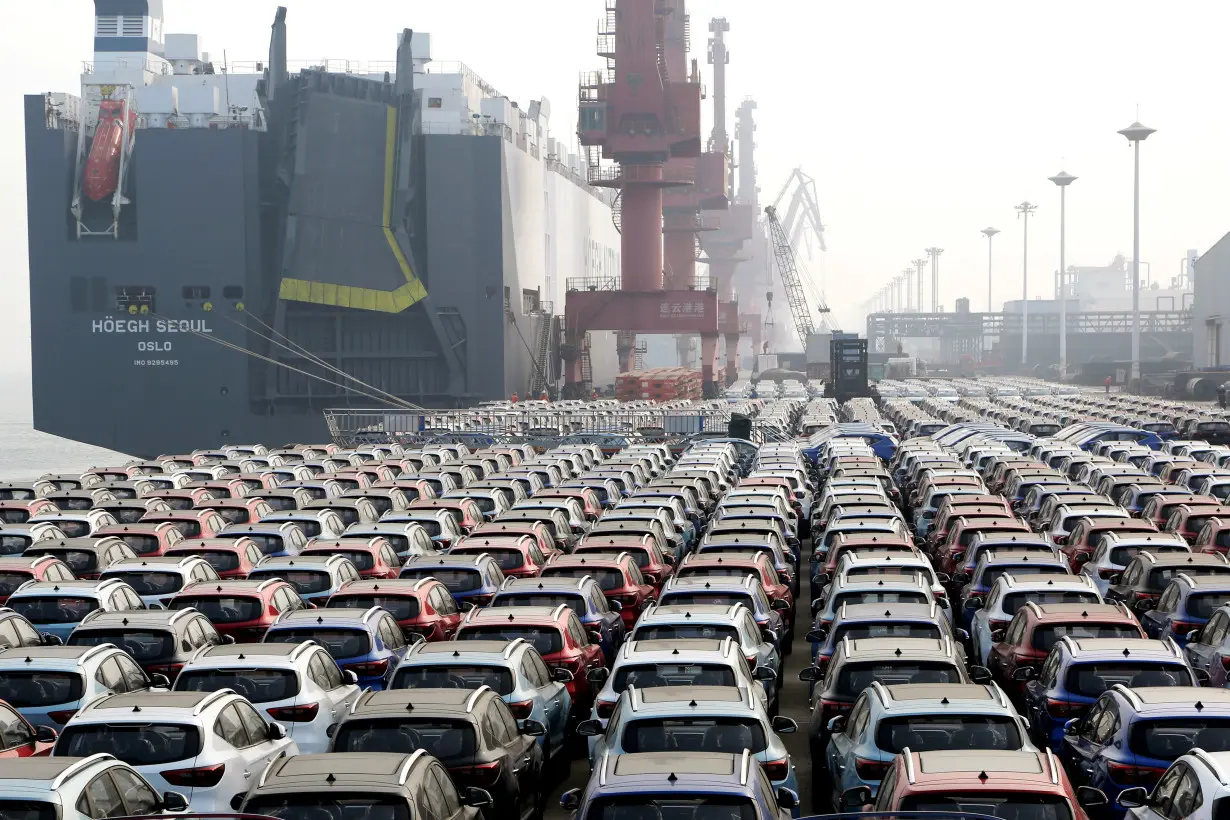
x=1137, y=132
x=1063, y=179
x=989, y=232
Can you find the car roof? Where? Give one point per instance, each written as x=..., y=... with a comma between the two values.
x=1178, y=559
x=336, y=616
x=941, y=694
x=1126, y=648
x=48, y=768
x=886, y=612
x=1047, y=613
x=381, y=770
x=1169, y=699
x=1017, y=766
x=135, y=618
x=462, y=649
x=517, y=614
x=668, y=650
x=705, y=766
x=397, y=702
x=30, y=654
x=139, y=702
x=862, y=648
x=252, y=651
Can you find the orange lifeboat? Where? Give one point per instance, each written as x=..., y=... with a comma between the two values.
x=102, y=169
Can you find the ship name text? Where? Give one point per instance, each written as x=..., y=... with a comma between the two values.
x=150, y=325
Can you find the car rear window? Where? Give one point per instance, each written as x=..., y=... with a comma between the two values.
x=142, y=644
x=272, y=544
x=454, y=676
x=14, y=544
x=672, y=632
x=573, y=601
x=1159, y=578
x=993, y=574
x=28, y=810
x=187, y=528
x=334, y=805
x=21, y=689
x=257, y=685
x=1015, y=600
x=53, y=610
x=1092, y=679
x=546, y=639
x=871, y=629
x=362, y=559
x=150, y=583
x=871, y=596
x=220, y=560
x=700, y=734
x=646, y=676
x=673, y=806
x=341, y=642
x=9, y=581
x=138, y=744
x=450, y=741
x=506, y=558
x=305, y=581
x=607, y=578
x=1168, y=738
x=78, y=561
x=222, y=609
x=721, y=598
x=1046, y=636
x=457, y=579
x=1123, y=555
x=232, y=515
x=855, y=677
x=926, y=733
x=430, y=524
x=1009, y=805
x=1204, y=604
x=401, y=607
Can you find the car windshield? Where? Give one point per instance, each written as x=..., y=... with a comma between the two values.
x=33, y=688
x=546, y=639
x=221, y=561
x=450, y=741
x=672, y=632
x=142, y=744
x=730, y=735
x=1168, y=738
x=926, y=733
x=855, y=677
x=150, y=583
x=650, y=675
x=53, y=610
x=715, y=597
x=330, y=805
x=574, y=602
x=305, y=581
x=454, y=676
x=222, y=609
x=257, y=685
x=607, y=578
x=1121, y=556
x=1009, y=805
x=1204, y=604
x=341, y=642
x=674, y=807
x=1092, y=679
x=879, y=629
x=1047, y=635
x=142, y=644
x=456, y=579
x=79, y=561
x=401, y=607
x=1015, y=600
x=9, y=581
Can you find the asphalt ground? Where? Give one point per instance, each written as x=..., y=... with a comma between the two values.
x=792, y=704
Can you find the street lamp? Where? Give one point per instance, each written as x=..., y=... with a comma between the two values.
x=907, y=276
x=920, y=264
x=1136, y=134
x=1024, y=210
x=934, y=253
x=1063, y=179
x=989, y=233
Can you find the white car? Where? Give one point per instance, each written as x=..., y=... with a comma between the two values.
x=76, y=788
x=298, y=685
x=1193, y=788
x=1011, y=591
x=157, y=579
x=208, y=745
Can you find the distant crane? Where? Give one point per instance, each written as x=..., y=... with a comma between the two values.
x=783, y=254
x=804, y=198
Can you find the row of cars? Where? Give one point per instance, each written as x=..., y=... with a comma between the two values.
x=638, y=603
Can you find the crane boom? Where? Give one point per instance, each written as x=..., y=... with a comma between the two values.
x=783, y=254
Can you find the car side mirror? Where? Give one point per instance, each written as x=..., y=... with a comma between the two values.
x=973, y=603
x=561, y=675
x=594, y=636
x=810, y=673
x=668, y=558
x=1144, y=605
x=1193, y=636
x=159, y=681
x=781, y=605
x=237, y=800
x=817, y=636
x=787, y=798
x=1024, y=673
x=997, y=635
x=349, y=677
x=52, y=640
x=477, y=798
x=960, y=577
x=590, y=728
x=1202, y=677
x=1083, y=558
x=1072, y=727
x=45, y=734
x=570, y=800
x=1116, y=578
x=1089, y=797
x=598, y=676
x=764, y=673
x=837, y=724
x=980, y=674
x=856, y=797
x=942, y=577
x=174, y=801
x=531, y=728
x=1134, y=798
x=615, y=606
x=277, y=731
x=228, y=639
x=784, y=725
x=415, y=637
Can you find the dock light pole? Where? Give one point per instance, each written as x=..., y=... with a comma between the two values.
x=934, y=253
x=1024, y=210
x=1136, y=134
x=920, y=264
x=989, y=233
x=1063, y=179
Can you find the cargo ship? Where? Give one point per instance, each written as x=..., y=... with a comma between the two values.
x=221, y=251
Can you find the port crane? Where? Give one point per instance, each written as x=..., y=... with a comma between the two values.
x=783, y=254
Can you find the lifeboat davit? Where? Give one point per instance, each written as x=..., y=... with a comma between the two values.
x=102, y=169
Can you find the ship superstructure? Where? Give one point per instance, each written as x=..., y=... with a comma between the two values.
x=232, y=248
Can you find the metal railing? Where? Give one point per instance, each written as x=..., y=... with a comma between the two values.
x=592, y=283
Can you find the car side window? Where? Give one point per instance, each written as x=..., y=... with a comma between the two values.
x=858, y=718
x=254, y=555
x=446, y=605
x=134, y=678
x=391, y=633
x=14, y=731
x=333, y=674
x=1016, y=630
x=1049, y=669
x=229, y=726
x=493, y=730
x=1169, y=599
x=139, y=798
x=535, y=677
x=8, y=633
x=1162, y=799
x=101, y=798
x=257, y=728
x=884, y=798
x=434, y=796
x=110, y=676
x=1215, y=632
x=388, y=555
x=1187, y=797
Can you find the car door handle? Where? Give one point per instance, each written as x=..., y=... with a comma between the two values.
x=247, y=773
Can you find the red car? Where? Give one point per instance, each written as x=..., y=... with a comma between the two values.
x=242, y=609
x=374, y=557
x=556, y=632
x=1086, y=536
x=20, y=739
x=421, y=606
x=1187, y=519
x=465, y=511
x=233, y=558
x=537, y=530
x=15, y=570
x=191, y=523
x=650, y=559
x=518, y=555
x=21, y=511
x=147, y=538
x=617, y=575
x=238, y=510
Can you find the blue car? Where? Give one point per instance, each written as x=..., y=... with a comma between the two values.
x=583, y=596
x=1131, y=736
x=368, y=642
x=48, y=683
x=1185, y=606
x=57, y=607
x=471, y=579
x=513, y=669
x=877, y=620
x=1078, y=671
x=274, y=540
x=668, y=784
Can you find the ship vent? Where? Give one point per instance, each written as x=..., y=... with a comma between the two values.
x=107, y=26
x=133, y=26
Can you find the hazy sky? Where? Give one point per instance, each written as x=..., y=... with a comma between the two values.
x=922, y=121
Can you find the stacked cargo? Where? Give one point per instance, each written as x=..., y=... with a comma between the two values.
x=659, y=384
